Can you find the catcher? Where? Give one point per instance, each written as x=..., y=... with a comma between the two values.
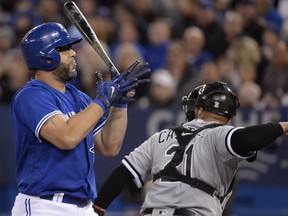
x=192, y=166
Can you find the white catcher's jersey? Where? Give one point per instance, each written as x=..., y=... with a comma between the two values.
x=208, y=157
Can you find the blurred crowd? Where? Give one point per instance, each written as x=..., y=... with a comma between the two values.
x=186, y=43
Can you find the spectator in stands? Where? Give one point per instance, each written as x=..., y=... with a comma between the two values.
x=176, y=63
x=7, y=38
x=162, y=90
x=249, y=94
x=185, y=15
x=212, y=29
x=221, y=8
x=270, y=39
x=209, y=72
x=247, y=72
x=127, y=32
x=88, y=63
x=194, y=41
x=144, y=13
x=232, y=28
x=265, y=9
x=122, y=12
x=16, y=75
x=275, y=76
x=99, y=18
x=51, y=11
x=254, y=25
x=244, y=50
x=159, y=39
x=228, y=72
x=125, y=54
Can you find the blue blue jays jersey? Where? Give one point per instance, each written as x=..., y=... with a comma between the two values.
x=42, y=168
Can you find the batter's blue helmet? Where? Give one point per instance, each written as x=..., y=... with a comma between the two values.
x=39, y=44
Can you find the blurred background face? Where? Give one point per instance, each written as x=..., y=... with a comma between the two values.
x=176, y=59
x=193, y=40
x=16, y=70
x=233, y=24
x=280, y=55
x=128, y=32
x=159, y=32
x=206, y=15
x=161, y=94
x=209, y=73
x=125, y=55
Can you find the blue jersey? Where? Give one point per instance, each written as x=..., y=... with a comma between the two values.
x=42, y=168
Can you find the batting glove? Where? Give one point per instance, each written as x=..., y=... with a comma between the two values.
x=129, y=80
x=106, y=92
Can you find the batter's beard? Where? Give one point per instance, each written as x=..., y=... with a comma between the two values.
x=64, y=73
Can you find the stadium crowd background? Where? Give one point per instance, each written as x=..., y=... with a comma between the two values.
x=186, y=43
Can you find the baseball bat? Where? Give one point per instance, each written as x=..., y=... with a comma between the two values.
x=78, y=19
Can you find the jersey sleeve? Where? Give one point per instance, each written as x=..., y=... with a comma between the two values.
x=222, y=136
x=99, y=125
x=87, y=100
x=38, y=105
x=139, y=162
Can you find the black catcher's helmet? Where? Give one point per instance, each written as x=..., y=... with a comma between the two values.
x=214, y=97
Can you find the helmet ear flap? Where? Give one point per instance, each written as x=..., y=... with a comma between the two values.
x=50, y=61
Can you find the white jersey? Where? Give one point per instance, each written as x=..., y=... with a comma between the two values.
x=208, y=157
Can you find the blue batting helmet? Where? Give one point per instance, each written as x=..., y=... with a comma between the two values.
x=39, y=44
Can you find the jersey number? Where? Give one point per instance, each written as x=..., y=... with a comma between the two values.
x=187, y=154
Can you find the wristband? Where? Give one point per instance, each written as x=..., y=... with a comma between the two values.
x=119, y=105
x=99, y=102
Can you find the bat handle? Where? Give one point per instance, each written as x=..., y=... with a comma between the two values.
x=113, y=71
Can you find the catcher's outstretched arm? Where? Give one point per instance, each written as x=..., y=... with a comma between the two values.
x=254, y=138
x=113, y=186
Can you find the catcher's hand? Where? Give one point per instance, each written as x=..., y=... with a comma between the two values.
x=100, y=211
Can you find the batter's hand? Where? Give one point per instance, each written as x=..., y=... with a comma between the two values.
x=130, y=81
x=106, y=92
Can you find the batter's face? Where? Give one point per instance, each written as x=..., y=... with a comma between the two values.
x=67, y=67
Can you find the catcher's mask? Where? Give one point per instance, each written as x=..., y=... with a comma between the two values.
x=214, y=97
x=39, y=45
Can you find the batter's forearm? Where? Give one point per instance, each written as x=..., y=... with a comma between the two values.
x=113, y=132
x=67, y=134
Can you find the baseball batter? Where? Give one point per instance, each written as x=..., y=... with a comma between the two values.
x=57, y=128
x=192, y=167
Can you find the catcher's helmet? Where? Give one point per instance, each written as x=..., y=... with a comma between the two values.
x=39, y=44
x=214, y=97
